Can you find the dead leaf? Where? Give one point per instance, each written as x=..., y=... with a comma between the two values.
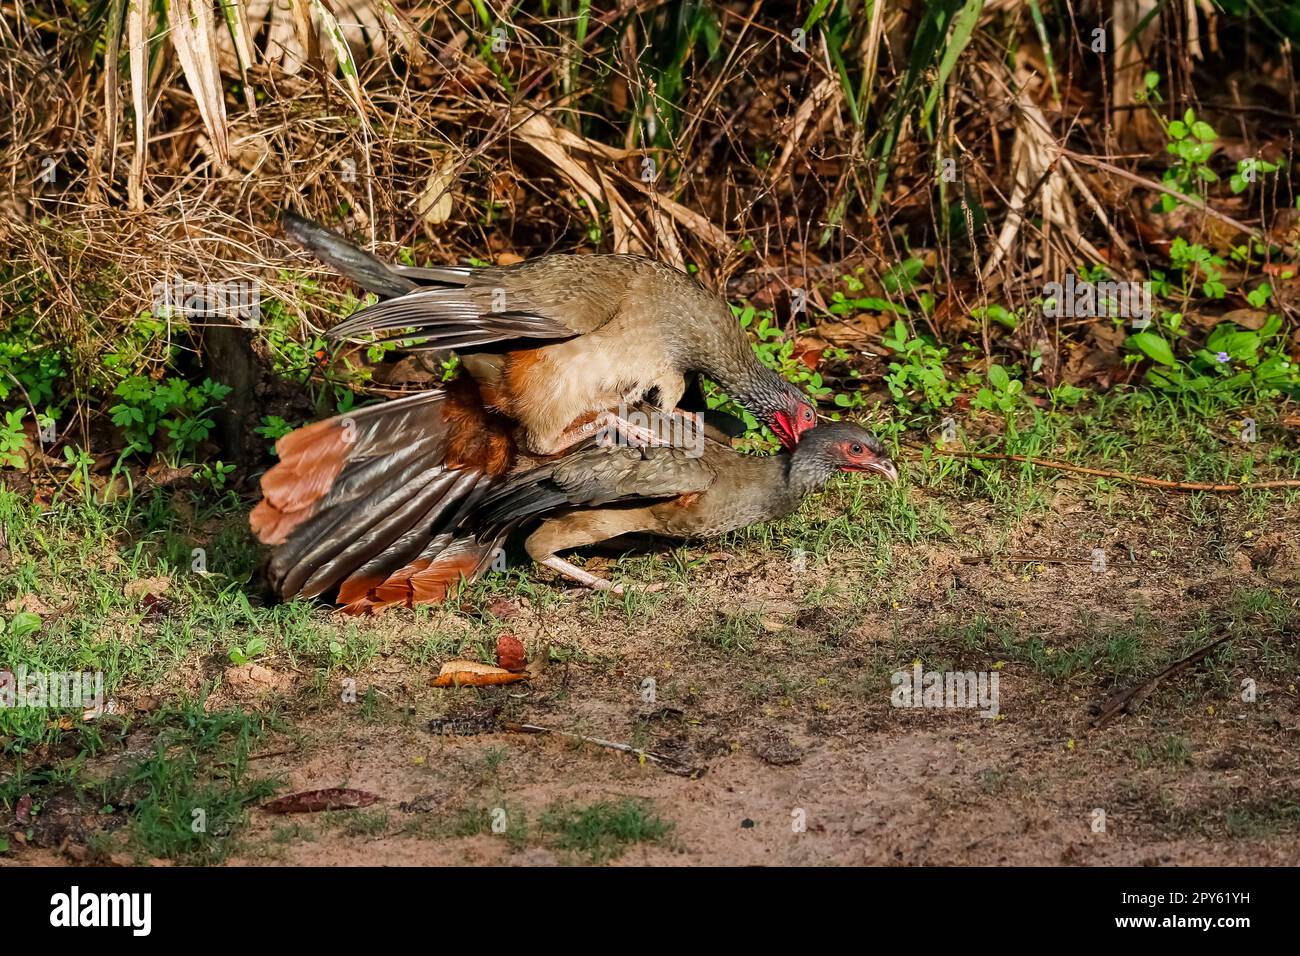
x=511, y=654
x=502, y=608
x=1251, y=319
x=29, y=602
x=434, y=205
x=316, y=801
x=256, y=679
x=146, y=587
x=809, y=357
x=194, y=38
x=538, y=663
x=474, y=674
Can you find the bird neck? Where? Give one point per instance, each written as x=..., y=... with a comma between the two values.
x=751, y=383
x=807, y=470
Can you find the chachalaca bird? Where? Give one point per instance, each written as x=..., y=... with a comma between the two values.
x=393, y=529
x=595, y=494
x=562, y=337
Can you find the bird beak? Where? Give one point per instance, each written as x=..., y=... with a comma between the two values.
x=881, y=466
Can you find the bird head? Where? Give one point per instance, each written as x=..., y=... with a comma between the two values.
x=720, y=350
x=865, y=452
x=841, y=446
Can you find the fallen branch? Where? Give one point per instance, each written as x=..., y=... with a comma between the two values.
x=1193, y=201
x=1020, y=559
x=670, y=764
x=1168, y=485
x=1125, y=700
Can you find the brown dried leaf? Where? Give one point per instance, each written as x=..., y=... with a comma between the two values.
x=474, y=674
x=316, y=801
x=195, y=41
x=434, y=205
x=511, y=654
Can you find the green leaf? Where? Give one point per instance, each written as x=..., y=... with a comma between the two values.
x=1155, y=348
x=1258, y=297
x=24, y=623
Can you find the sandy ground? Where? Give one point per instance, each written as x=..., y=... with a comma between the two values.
x=779, y=692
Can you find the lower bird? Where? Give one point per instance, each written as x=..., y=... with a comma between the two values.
x=384, y=514
x=597, y=494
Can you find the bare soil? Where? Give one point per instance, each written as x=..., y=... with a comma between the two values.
x=779, y=691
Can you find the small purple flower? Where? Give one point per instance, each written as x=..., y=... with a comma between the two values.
x=1222, y=357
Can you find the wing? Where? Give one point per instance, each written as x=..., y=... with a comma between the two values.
x=592, y=478
x=356, y=497
x=462, y=308
x=464, y=318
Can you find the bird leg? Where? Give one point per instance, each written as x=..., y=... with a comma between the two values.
x=580, y=528
x=585, y=578
x=595, y=581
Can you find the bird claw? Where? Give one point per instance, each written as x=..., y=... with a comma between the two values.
x=613, y=428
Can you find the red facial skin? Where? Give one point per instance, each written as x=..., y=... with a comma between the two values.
x=862, y=459
x=788, y=428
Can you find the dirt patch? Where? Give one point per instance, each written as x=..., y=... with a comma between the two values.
x=777, y=680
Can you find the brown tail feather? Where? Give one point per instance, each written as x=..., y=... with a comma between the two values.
x=426, y=582
x=313, y=457
x=300, y=479
x=356, y=500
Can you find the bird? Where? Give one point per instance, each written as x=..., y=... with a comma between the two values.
x=596, y=494
x=555, y=340
x=411, y=540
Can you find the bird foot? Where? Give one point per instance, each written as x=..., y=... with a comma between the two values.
x=587, y=579
x=609, y=429
x=614, y=430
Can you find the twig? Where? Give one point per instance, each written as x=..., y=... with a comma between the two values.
x=1020, y=559
x=1125, y=700
x=670, y=764
x=1124, y=476
x=1192, y=201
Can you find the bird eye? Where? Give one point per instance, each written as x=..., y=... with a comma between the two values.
x=807, y=414
x=856, y=448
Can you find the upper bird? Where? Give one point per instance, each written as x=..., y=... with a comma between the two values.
x=553, y=339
